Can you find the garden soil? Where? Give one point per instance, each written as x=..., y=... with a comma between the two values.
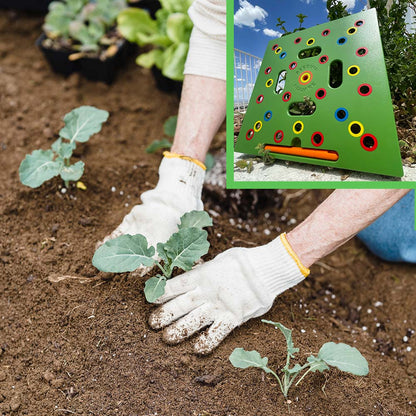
x=76, y=342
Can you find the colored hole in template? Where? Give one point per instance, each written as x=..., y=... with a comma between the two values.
x=298, y=127
x=361, y=52
x=278, y=136
x=356, y=129
x=298, y=40
x=317, y=138
x=359, y=23
x=267, y=115
x=287, y=96
x=323, y=59
x=352, y=30
x=293, y=65
x=302, y=108
x=283, y=55
x=341, y=114
x=335, y=74
x=310, y=41
x=259, y=99
x=257, y=126
x=278, y=50
x=269, y=83
x=275, y=46
x=326, y=32
x=365, y=89
x=320, y=94
x=250, y=134
x=353, y=70
x=268, y=70
x=369, y=142
x=305, y=77
x=342, y=40
x=281, y=82
x=310, y=53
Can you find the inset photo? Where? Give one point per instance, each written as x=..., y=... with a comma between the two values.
x=324, y=92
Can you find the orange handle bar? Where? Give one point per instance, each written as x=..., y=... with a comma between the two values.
x=300, y=151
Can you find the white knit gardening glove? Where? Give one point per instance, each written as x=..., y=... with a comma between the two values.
x=237, y=285
x=177, y=192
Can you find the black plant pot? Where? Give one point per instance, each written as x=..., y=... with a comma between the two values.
x=28, y=5
x=166, y=84
x=152, y=6
x=93, y=69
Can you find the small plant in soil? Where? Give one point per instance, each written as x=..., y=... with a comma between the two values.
x=42, y=165
x=127, y=252
x=340, y=355
x=169, y=128
x=84, y=26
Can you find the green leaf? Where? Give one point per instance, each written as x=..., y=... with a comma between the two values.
x=63, y=149
x=160, y=247
x=209, y=161
x=38, y=167
x=132, y=21
x=82, y=122
x=154, y=288
x=316, y=364
x=186, y=246
x=124, y=254
x=295, y=369
x=198, y=219
x=174, y=58
x=179, y=27
x=147, y=60
x=344, y=357
x=158, y=144
x=169, y=126
x=291, y=350
x=72, y=172
x=241, y=358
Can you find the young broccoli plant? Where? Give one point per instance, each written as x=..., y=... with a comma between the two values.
x=127, y=252
x=42, y=165
x=340, y=355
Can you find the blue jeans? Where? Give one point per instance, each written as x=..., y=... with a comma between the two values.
x=392, y=236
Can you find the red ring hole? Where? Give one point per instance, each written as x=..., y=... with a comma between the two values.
x=323, y=59
x=287, y=96
x=326, y=32
x=298, y=40
x=250, y=134
x=320, y=94
x=360, y=52
x=274, y=47
x=278, y=136
x=293, y=65
x=365, y=89
x=259, y=99
x=317, y=138
x=369, y=142
x=359, y=23
x=268, y=70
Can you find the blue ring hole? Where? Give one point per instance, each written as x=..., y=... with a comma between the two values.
x=341, y=114
x=268, y=115
x=342, y=40
x=283, y=55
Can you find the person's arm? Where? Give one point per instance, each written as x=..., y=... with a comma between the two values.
x=242, y=283
x=339, y=218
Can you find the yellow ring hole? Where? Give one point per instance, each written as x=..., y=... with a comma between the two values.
x=269, y=82
x=353, y=31
x=353, y=68
x=356, y=133
x=310, y=41
x=305, y=78
x=295, y=129
x=257, y=126
x=278, y=50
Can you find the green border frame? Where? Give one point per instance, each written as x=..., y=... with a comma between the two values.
x=232, y=184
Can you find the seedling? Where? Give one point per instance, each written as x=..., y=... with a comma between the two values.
x=340, y=355
x=127, y=252
x=42, y=165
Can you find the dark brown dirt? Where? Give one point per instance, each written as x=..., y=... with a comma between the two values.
x=83, y=346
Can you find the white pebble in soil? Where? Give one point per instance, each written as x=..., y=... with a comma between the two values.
x=113, y=189
x=63, y=191
x=408, y=349
x=405, y=338
x=266, y=231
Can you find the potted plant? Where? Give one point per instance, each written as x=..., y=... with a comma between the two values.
x=28, y=5
x=168, y=35
x=81, y=36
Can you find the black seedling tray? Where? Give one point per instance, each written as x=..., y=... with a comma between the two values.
x=93, y=69
x=152, y=6
x=28, y=5
x=166, y=84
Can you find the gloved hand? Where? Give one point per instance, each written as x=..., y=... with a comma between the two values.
x=237, y=285
x=177, y=192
